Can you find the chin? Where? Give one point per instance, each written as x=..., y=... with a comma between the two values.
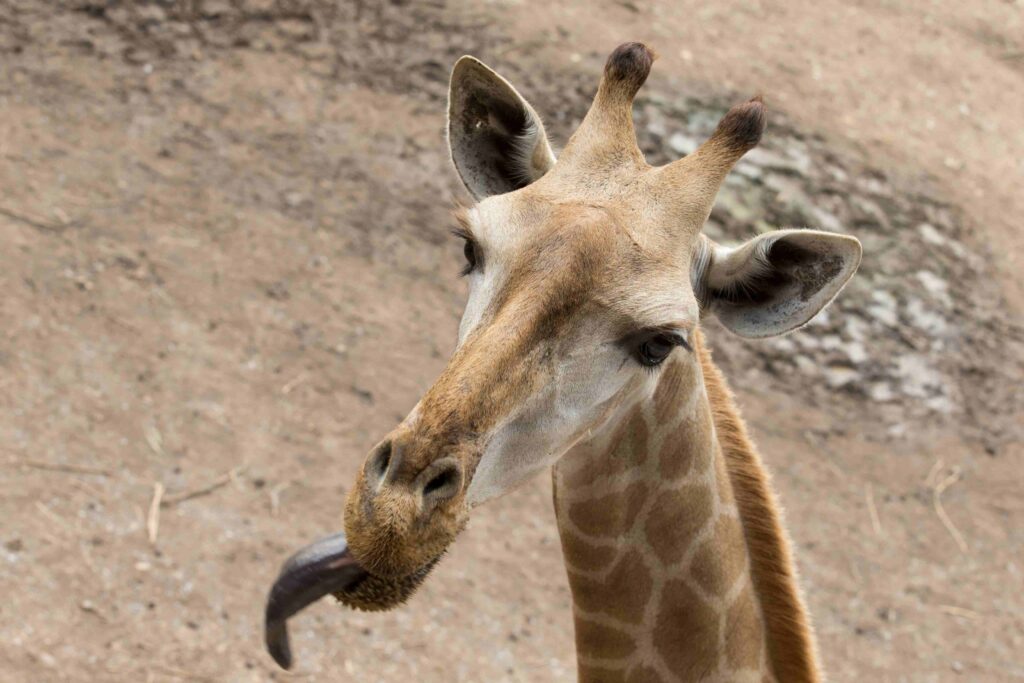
x=377, y=593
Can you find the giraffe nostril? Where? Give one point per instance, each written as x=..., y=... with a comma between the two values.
x=379, y=463
x=442, y=482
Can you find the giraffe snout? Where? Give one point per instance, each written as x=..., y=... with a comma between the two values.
x=386, y=474
x=407, y=506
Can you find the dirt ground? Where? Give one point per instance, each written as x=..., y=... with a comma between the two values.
x=226, y=271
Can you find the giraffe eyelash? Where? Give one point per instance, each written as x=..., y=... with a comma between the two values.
x=474, y=260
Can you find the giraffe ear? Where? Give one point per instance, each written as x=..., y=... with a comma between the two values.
x=497, y=141
x=773, y=283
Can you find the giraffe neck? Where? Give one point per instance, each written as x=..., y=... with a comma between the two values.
x=661, y=553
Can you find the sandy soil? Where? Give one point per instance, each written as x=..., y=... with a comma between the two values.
x=227, y=271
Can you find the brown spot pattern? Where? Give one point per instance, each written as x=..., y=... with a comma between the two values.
x=586, y=556
x=623, y=595
x=611, y=515
x=677, y=454
x=744, y=635
x=675, y=519
x=612, y=643
x=686, y=632
x=627, y=448
x=599, y=674
x=721, y=558
x=643, y=674
x=632, y=447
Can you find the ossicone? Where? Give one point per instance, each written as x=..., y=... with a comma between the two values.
x=742, y=126
x=627, y=68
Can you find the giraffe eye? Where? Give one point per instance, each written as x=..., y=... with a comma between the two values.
x=654, y=350
x=470, y=250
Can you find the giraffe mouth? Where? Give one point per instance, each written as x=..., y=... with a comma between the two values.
x=328, y=567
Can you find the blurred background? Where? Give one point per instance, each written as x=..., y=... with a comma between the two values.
x=226, y=272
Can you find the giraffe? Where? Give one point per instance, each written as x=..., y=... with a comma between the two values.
x=581, y=350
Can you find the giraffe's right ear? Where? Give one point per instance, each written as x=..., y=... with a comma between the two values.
x=497, y=140
x=775, y=282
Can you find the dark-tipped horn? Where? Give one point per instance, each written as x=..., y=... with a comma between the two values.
x=318, y=569
x=606, y=136
x=737, y=133
x=626, y=70
x=695, y=179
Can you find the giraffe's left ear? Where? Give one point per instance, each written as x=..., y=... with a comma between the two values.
x=497, y=141
x=775, y=282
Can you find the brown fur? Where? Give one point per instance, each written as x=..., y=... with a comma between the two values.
x=790, y=642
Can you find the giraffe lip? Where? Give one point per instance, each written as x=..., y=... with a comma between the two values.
x=323, y=567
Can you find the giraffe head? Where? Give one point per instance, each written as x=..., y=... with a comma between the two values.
x=584, y=274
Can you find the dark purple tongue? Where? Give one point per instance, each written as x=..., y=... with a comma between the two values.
x=318, y=569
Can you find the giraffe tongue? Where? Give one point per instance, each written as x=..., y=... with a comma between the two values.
x=318, y=569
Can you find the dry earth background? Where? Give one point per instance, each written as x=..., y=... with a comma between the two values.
x=226, y=268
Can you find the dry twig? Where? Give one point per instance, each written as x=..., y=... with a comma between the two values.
x=954, y=477
x=153, y=518
x=34, y=222
x=294, y=382
x=154, y=439
x=220, y=482
x=90, y=607
x=876, y=523
x=179, y=673
x=930, y=479
x=960, y=611
x=53, y=517
x=275, y=497
x=59, y=467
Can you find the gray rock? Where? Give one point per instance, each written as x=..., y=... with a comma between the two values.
x=805, y=365
x=831, y=342
x=856, y=352
x=856, y=328
x=784, y=345
x=837, y=376
x=822, y=320
x=741, y=202
x=930, y=234
x=884, y=308
x=881, y=392
x=683, y=144
x=869, y=210
x=793, y=160
x=919, y=378
x=925, y=319
x=825, y=220
x=934, y=285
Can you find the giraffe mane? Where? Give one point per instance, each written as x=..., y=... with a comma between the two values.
x=790, y=641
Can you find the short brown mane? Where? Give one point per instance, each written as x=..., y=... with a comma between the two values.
x=791, y=649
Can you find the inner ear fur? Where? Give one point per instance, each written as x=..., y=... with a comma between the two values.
x=497, y=140
x=773, y=283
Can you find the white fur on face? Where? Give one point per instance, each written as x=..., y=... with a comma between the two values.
x=588, y=383
x=484, y=284
x=591, y=373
